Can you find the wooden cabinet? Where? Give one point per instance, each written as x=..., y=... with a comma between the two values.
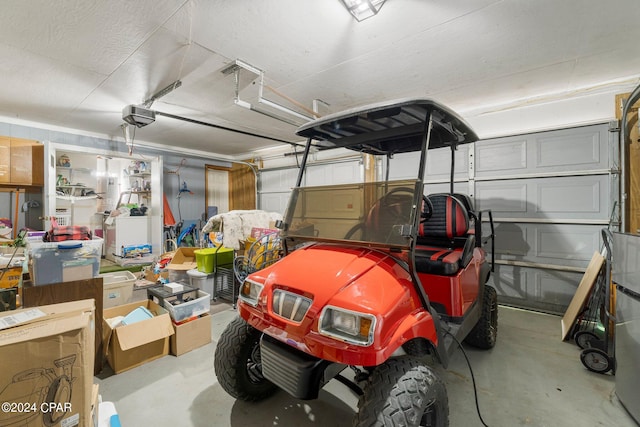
x=21, y=162
x=5, y=160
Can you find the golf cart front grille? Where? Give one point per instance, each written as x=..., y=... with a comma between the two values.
x=290, y=306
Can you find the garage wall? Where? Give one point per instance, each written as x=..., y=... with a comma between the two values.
x=275, y=184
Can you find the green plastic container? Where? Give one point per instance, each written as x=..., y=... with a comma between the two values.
x=207, y=259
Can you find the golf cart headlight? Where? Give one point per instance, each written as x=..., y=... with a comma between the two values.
x=250, y=292
x=346, y=325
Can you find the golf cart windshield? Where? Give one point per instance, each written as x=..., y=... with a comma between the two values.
x=376, y=212
x=381, y=213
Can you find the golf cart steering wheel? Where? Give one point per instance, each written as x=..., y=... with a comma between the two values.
x=427, y=206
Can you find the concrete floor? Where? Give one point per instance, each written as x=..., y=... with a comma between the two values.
x=530, y=378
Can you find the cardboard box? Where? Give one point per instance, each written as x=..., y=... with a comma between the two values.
x=47, y=364
x=129, y=346
x=191, y=335
x=184, y=259
x=150, y=276
x=95, y=405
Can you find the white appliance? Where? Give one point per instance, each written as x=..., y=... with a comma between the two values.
x=125, y=231
x=626, y=275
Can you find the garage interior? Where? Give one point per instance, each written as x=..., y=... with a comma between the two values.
x=157, y=127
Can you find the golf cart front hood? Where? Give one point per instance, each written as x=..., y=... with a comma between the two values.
x=323, y=271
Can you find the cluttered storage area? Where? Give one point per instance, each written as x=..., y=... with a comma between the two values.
x=339, y=213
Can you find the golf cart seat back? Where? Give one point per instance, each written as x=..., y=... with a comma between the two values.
x=444, y=244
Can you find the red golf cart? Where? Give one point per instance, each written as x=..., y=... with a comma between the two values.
x=376, y=277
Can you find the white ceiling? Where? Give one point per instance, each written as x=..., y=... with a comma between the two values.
x=76, y=64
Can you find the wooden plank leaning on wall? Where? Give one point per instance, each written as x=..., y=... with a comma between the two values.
x=633, y=191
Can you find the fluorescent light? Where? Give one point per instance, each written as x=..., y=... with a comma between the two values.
x=363, y=9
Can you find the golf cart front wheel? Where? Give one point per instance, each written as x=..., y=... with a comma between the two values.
x=596, y=360
x=238, y=364
x=403, y=392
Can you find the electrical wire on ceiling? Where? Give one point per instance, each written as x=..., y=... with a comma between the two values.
x=128, y=138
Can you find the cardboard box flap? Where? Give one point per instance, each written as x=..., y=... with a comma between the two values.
x=26, y=316
x=184, y=259
x=137, y=334
x=36, y=330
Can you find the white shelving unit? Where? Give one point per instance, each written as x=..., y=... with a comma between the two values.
x=75, y=191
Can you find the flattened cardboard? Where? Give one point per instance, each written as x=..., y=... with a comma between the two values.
x=582, y=294
x=47, y=363
x=55, y=293
x=184, y=259
x=191, y=335
x=133, y=345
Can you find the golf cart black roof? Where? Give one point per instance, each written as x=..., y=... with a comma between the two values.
x=388, y=128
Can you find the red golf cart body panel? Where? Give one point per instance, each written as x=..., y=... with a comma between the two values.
x=358, y=279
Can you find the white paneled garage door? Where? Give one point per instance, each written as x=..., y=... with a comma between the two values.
x=551, y=193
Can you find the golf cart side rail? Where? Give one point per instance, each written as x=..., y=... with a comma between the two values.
x=481, y=239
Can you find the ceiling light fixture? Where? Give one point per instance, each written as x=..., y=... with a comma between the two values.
x=241, y=71
x=363, y=9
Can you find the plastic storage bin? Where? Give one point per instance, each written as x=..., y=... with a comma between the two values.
x=202, y=281
x=186, y=309
x=118, y=288
x=179, y=276
x=55, y=262
x=208, y=259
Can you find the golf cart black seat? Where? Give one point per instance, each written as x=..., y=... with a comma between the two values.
x=444, y=244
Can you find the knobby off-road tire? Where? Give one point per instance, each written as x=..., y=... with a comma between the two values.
x=484, y=334
x=237, y=363
x=403, y=392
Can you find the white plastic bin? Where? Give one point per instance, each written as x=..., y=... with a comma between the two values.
x=118, y=288
x=202, y=281
x=178, y=276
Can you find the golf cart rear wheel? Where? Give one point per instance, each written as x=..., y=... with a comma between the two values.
x=238, y=364
x=403, y=392
x=485, y=332
x=596, y=360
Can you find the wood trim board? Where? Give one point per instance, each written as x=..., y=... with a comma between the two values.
x=582, y=294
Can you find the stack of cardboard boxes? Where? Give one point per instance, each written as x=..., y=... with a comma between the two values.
x=47, y=358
